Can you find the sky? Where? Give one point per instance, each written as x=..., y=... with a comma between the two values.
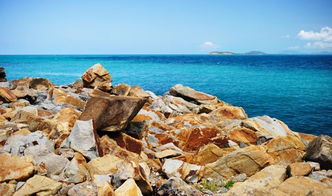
x=164, y=26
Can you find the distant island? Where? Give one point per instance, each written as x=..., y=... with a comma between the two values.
x=232, y=53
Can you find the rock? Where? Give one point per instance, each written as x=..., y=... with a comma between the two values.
x=227, y=112
x=41, y=84
x=70, y=100
x=77, y=170
x=266, y=178
x=191, y=95
x=121, y=89
x=15, y=168
x=299, y=169
x=17, y=144
x=85, y=188
x=97, y=77
x=320, y=150
x=322, y=176
x=176, y=186
x=285, y=150
x=299, y=185
x=23, y=92
x=105, y=165
x=106, y=190
x=247, y=160
x=178, y=104
x=136, y=91
x=39, y=185
x=7, y=95
x=128, y=142
x=112, y=113
x=267, y=126
x=47, y=161
x=82, y=139
x=186, y=171
x=2, y=74
x=243, y=135
x=66, y=119
x=7, y=189
x=129, y=187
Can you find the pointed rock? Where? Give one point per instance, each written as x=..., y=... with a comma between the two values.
x=112, y=113
x=129, y=187
x=97, y=77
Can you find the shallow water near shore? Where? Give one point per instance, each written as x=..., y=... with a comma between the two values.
x=295, y=89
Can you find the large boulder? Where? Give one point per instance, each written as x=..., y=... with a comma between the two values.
x=248, y=160
x=320, y=150
x=14, y=167
x=112, y=113
x=192, y=95
x=97, y=77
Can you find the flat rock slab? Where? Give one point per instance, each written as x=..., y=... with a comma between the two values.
x=112, y=113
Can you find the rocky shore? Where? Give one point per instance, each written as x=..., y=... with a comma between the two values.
x=93, y=138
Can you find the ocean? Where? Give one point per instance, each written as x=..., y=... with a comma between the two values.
x=296, y=89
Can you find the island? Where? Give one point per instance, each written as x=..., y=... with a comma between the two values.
x=233, y=53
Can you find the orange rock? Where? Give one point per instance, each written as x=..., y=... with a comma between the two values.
x=97, y=77
x=15, y=168
x=136, y=91
x=129, y=187
x=7, y=95
x=244, y=135
x=128, y=142
x=198, y=138
x=66, y=119
x=121, y=89
x=227, y=112
x=285, y=150
x=70, y=100
x=299, y=169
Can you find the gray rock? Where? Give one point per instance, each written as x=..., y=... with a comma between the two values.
x=17, y=144
x=176, y=186
x=82, y=139
x=320, y=150
x=86, y=189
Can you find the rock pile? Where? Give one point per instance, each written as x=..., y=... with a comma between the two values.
x=92, y=138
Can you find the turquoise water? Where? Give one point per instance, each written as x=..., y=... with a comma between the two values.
x=295, y=89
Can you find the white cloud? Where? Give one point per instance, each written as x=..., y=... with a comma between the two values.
x=321, y=39
x=209, y=45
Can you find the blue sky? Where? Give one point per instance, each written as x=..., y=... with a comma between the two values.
x=164, y=27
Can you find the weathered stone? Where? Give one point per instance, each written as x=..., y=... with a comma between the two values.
x=48, y=161
x=299, y=169
x=121, y=89
x=191, y=95
x=2, y=74
x=244, y=135
x=66, y=119
x=39, y=185
x=15, y=168
x=7, y=189
x=82, y=139
x=179, y=105
x=299, y=185
x=17, y=144
x=128, y=142
x=41, y=84
x=322, y=176
x=97, y=77
x=104, y=165
x=106, y=190
x=320, y=150
x=70, y=100
x=23, y=92
x=265, y=125
x=136, y=91
x=7, y=95
x=129, y=187
x=176, y=186
x=112, y=113
x=85, y=188
x=227, y=112
x=77, y=170
x=268, y=177
x=186, y=171
x=285, y=150
x=35, y=123
x=247, y=160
